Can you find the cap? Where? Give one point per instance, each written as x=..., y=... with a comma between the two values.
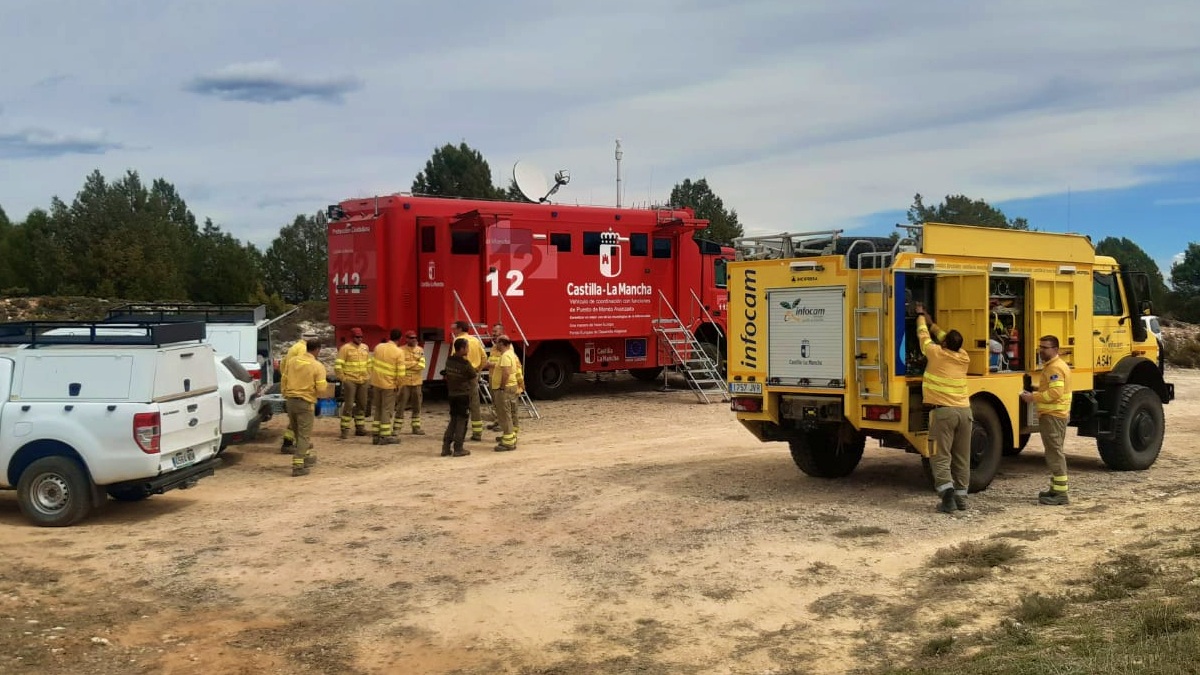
x=356, y=332
x=410, y=334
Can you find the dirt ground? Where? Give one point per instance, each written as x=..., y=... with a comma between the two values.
x=633, y=531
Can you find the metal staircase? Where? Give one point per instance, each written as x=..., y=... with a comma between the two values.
x=698, y=369
x=485, y=392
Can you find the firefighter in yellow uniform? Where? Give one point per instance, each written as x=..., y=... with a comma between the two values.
x=387, y=367
x=410, y=382
x=503, y=383
x=944, y=392
x=1053, y=400
x=298, y=347
x=305, y=382
x=351, y=368
x=477, y=357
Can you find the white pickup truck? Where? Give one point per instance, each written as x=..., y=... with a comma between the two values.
x=88, y=409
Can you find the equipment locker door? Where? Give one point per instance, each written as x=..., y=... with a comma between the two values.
x=1054, y=313
x=962, y=305
x=435, y=299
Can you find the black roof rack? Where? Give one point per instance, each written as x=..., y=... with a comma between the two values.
x=177, y=312
x=42, y=333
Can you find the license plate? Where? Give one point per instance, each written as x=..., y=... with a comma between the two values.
x=745, y=387
x=181, y=459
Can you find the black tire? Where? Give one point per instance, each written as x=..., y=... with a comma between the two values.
x=717, y=354
x=646, y=374
x=128, y=494
x=1021, y=443
x=987, y=441
x=54, y=492
x=1140, y=428
x=828, y=452
x=548, y=374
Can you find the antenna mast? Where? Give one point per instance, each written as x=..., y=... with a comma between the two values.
x=618, y=155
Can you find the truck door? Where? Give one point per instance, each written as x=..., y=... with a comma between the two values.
x=1054, y=313
x=1110, y=331
x=435, y=297
x=357, y=295
x=961, y=303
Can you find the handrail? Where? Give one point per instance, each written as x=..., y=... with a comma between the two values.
x=504, y=304
x=704, y=310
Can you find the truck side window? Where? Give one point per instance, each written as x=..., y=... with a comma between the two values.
x=662, y=247
x=464, y=242
x=1106, y=295
x=591, y=243
x=428, y=239
x=639, y=244
x=719, y=273
x=561, y=241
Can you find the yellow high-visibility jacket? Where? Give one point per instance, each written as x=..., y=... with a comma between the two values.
x=351, y=363
x=945, y=381
x=298, y=347
x=414, y=365
x=305, y=378
x=1054, y=389
x=387, y=366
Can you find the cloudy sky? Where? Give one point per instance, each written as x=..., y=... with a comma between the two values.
x=1078, y=115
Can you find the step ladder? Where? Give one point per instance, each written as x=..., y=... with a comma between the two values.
x=485, y=391
x=870, y=316
x=699, y=371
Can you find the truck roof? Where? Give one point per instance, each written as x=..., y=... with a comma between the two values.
x=570, y=215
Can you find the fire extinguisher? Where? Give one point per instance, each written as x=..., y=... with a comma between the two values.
x=1014, y=352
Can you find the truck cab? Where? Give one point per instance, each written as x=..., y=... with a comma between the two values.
x=824, y=352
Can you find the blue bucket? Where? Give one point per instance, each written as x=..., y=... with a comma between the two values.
x=326, y=407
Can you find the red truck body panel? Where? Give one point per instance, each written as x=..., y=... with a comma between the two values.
x=579, y=277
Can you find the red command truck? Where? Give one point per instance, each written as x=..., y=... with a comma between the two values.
x=578, y=288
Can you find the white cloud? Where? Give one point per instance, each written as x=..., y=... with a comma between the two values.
x=802, y=116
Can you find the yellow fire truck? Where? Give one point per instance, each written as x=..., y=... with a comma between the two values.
x=823, y=352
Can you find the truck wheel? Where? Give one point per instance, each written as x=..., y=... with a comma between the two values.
x=128, y=494
x=717, y=355
x=1139, y=427
x=646, y=374
x=54, y=492
x=1021, y=443
x=828, y=452
x=987, y=440
x=548, y=375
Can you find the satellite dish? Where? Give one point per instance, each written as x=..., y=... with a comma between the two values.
x=532, y=182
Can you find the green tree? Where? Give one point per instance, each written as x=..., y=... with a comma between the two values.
x=1185, y=274
x=296, y=264
x=457, y=172
x=8, y=277
x=223, y=270
x=962, y=210
x=1132, y=257
x=723, y=225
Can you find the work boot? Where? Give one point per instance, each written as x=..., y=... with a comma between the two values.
x=376, y=440
x=493, y=427
x=418, y=432
x=947, y=504
x=390, y=440
x=286, y=448
x=360, y=432
x=310, y=460
x=477, y=437
x=960, y=501
x=345, y=434
x=446, y=450
x=299, y=471
x=461, y=452
x=1053, y=498
x=500, y=447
